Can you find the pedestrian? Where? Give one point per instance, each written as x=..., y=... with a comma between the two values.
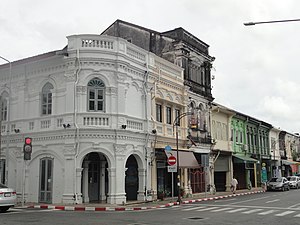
x=234, y=183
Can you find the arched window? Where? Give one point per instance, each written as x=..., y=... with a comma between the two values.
x=4, y=103
x=96, y=92
x=47, y=99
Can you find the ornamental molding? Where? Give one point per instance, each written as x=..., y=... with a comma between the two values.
x=18, y=152
x=120, y=149
x=69, y=151
x=69, y=75
x=121, y=77
x=112, y=90
x=81, y=89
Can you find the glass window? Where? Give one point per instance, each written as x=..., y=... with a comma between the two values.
x=214, y=130
x=96, y=98
x=241, y=137
x=46, y=180
x=158, y=113
x=47, y=99
x=4, y=103
x=177, y=114
x=31, y=125
x=169, y=115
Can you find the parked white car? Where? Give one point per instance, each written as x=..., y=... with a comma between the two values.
x=278, y=183
x=8, y=198
x=294, y=181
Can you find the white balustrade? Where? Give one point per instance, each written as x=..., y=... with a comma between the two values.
x=95, y=121
x=93, y=43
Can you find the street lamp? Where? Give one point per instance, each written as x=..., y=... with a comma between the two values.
x=272, y=21
x=8, y=123
x=175, y=124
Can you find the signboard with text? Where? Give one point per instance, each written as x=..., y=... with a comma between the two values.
x=172, y=169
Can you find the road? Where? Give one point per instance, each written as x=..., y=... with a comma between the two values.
x=264, y=208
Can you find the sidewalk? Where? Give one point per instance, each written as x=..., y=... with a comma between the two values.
x=138, y=205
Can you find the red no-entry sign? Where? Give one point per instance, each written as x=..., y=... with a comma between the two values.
x=172, y=160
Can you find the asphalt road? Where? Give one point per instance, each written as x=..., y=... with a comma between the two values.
x=264, y=208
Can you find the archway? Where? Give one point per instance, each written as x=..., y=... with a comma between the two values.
x=131, y=179
x=94, y=177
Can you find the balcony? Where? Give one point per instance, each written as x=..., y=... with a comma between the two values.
x=84, y=120
x=106, y=44
x=201, y=140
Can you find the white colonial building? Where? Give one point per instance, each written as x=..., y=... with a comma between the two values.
x=87, y=109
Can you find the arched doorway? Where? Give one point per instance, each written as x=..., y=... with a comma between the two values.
x=94, y=177
x=131, y=179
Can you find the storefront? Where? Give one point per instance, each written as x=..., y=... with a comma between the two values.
x=167, y=180
x=222, y=174
x=244, y=170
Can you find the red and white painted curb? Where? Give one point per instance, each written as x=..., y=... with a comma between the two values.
x=89, y=208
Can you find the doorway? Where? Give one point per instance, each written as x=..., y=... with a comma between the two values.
x=46, y=180
x=131, y=179
x=94, y=177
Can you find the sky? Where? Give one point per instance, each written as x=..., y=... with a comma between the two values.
x=256, y=70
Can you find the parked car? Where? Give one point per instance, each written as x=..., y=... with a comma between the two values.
x=8, y=198
x=294, y=181
x=278, y=183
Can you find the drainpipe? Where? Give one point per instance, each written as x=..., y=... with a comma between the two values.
x=77, y=61
x=147, y=127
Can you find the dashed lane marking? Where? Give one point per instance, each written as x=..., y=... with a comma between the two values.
x=275, y=200
x=252, y=211
x=237, y=210
x=220, y=210
x=206, y=209
x=285, y=213
x=267, y=212
x=194, y=208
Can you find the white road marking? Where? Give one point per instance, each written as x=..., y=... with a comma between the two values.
x=249, y=200
x=285, y=213
x=275, y=200
x=295, y=206
x=194, y=208
x=227, y=200
x=267, y=212
x=206, y=209
x=252, y=211
x=222, y=209
x=297, y=215
x=237, y=210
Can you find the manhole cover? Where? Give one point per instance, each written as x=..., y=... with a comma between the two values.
x=195, y=218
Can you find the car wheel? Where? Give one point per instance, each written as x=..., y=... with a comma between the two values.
x=4, y=208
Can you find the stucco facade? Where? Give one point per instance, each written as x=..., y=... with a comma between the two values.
x=222, y=169
x=82, y=151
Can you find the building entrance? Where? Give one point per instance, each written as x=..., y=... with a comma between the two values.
x=94, y=178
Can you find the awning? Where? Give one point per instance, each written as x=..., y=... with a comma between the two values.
x=186, y=159
x=288, y=162
x=244, y=159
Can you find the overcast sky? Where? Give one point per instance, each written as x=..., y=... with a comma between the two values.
x=256, y=68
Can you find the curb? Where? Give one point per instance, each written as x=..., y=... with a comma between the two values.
x=101, y=209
